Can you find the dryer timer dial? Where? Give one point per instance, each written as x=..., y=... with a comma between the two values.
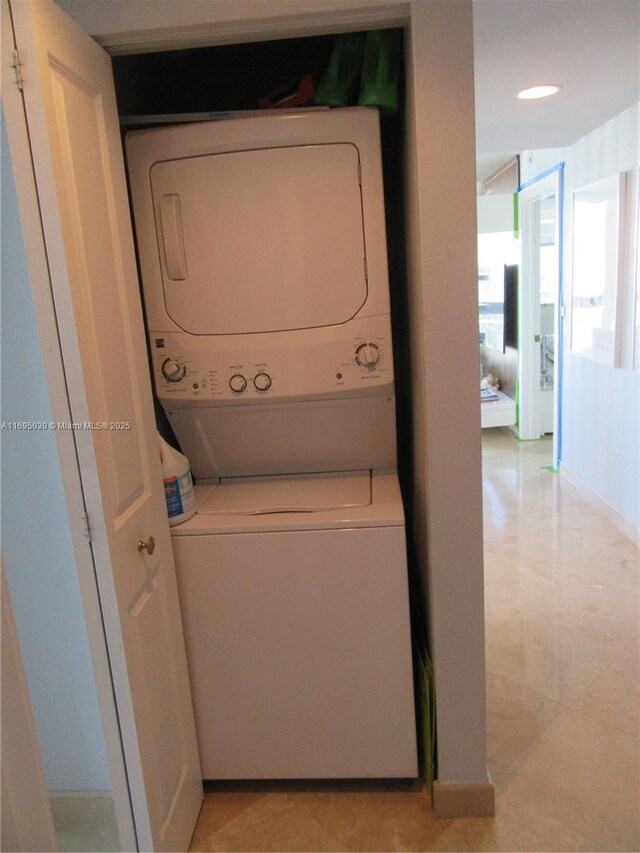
x=172, y=370
x=262, y=381
x=367, y=355
x=237, y=383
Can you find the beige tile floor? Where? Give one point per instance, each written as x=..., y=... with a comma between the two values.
x=563, y=697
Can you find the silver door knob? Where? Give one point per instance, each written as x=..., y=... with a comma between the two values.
x=149, y=546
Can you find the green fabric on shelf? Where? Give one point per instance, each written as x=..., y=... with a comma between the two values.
x=338, y=86
x=381, y=70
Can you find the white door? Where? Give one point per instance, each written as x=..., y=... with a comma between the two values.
x=75, y=147
x=540, y=348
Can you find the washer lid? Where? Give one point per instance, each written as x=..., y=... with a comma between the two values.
x=292, y=493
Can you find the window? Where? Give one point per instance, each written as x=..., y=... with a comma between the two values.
x=596, y=237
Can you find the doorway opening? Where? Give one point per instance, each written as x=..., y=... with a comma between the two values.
x=540, y=368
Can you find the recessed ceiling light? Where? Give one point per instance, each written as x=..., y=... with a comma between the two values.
x=538, y=92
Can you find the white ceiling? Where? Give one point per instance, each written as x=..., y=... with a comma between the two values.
x=589, y=47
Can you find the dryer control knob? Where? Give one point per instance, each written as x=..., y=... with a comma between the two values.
x=367, y=355
x=172, y=370
x=237, y=383
x=262, y=381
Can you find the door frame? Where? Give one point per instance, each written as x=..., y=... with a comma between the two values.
x=549, y=182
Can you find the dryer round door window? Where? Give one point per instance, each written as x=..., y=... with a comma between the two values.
x=263, y=240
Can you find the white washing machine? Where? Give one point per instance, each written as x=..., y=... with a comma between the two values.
x=296, y=622
x=263, y=258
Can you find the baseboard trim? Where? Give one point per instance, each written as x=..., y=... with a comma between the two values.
x=621, y=521
x=463, y=799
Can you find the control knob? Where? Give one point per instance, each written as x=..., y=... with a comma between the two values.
x=262, y=381
x=367, y=355
x=237, y=383
x=172, y=370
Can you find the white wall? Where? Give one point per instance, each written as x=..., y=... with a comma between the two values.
x=600, y=404
x=447, y=497
x=443, y=291
x=601, y=412
x=36, y=540
x=534, y=163
x=495, y=213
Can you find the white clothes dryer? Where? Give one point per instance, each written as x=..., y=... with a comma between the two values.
x=296, y=619
x=263, y=257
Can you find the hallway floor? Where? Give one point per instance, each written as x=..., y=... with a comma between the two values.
x=563, y=697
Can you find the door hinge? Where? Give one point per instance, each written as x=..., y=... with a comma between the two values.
x=17, y=68
x=87, y=527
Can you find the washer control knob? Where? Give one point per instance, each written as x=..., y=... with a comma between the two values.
x=237, y=383
x=172, y=370
x=262, y=381
x=367, y=355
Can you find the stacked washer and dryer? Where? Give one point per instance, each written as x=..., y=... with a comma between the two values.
x=263, y=258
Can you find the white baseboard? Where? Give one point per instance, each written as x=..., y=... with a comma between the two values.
x=463, y=799
x=624, y=524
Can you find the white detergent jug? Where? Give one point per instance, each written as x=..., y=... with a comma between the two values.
x=178, y=483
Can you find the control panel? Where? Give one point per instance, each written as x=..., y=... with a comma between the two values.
x=208, y=370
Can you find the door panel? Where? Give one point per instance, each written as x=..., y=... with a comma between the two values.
x=541, y=229
x=90, y=228
x=74, y=133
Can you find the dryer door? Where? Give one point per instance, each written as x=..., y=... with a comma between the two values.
x=263, y=240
